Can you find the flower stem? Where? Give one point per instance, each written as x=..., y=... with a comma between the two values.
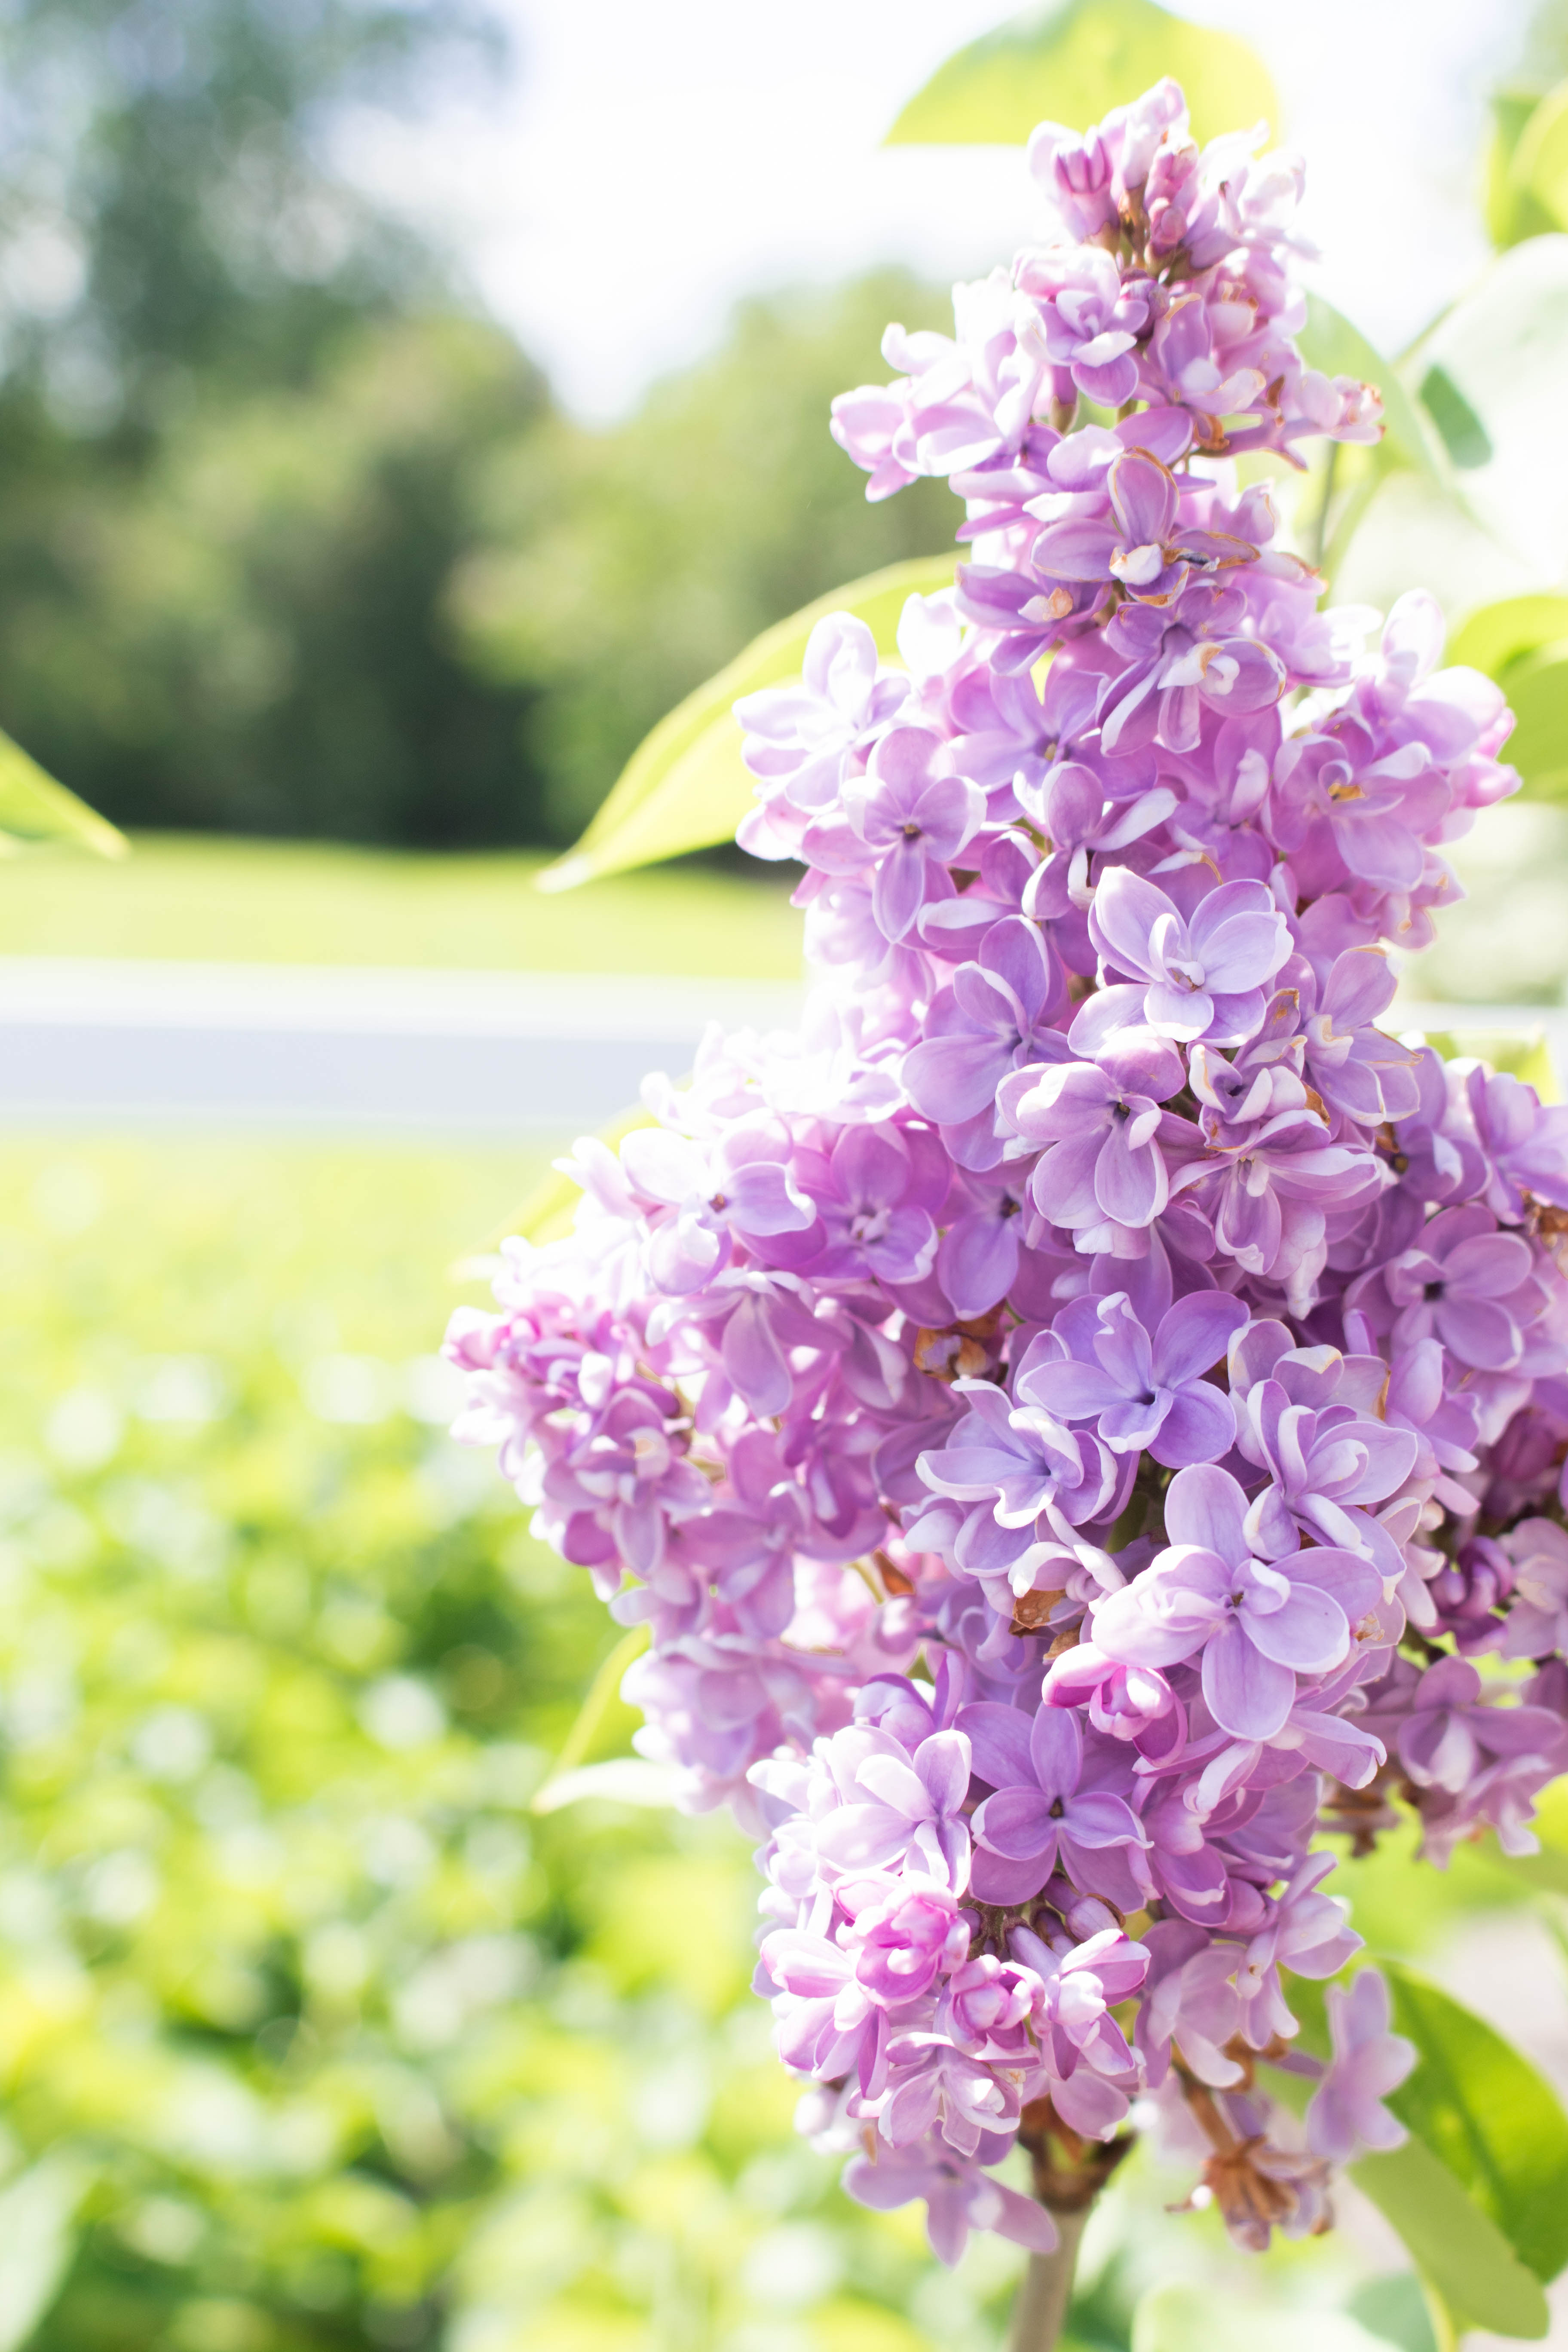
x=1046, y=2289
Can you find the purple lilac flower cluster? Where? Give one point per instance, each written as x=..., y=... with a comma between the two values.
x=1072, y=1417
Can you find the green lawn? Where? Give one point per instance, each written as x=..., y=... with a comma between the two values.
x=295, y=902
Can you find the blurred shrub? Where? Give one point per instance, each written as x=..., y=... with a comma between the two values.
x=311, y=2035
x=614, y=571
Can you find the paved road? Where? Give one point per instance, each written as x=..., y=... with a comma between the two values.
x=389, y=1051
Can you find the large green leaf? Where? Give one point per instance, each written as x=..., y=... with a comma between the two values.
x=38, y=2211
x=1499, y=635
x=1492, y=2120
x=34, y=808
x=1072, y=63
x=1462, y=2254
x=1511, y=212
x=1538, y=168
x=1522, y=642
x=1501, y=354
x=684, y=786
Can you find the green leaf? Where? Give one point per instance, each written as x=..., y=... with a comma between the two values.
x=1463, y=2256
x=1464, y=435
x=1538, y=168
x=1486, y=2114
x=684, y=786
x=1497, y=635
x=1522, y=642
x=1178, y=2317
x=1072, y=64
x=1512, y=213
x=34, y=808
x=1503, y=351
x=598, y=1710
x=1538, y=747
x=37, y=2241
x=1329, y=342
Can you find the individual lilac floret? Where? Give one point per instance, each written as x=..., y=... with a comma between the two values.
x=742, y=1186
x=1257, y=1623
x=1038, y=1812
x=804, y=740
x=1346, y=2114
x=1205, y=973
x=994, y=1016
x=1538, y=1622
x=914, y=816
x=1101, y=1124
x=1098, y=1363
x=959, y=2197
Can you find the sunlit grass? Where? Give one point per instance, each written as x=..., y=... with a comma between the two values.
x=219, y=899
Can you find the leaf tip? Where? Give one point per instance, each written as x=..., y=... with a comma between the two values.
x=566, y=874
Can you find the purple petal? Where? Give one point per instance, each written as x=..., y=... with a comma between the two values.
x=1248, y=1695
x=900, y=889
x=1017, y=1823
x=1199, y=1427
x=1056, y=1750
x=1195, y=1335
x=1309, y=1632
x=999, y=1743
x=1204, y=1505
x=977, y=1263
x=1129, y=1183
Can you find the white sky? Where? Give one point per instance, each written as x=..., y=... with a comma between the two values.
x=652, y=159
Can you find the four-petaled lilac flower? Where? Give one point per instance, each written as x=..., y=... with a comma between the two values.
x=874, y=1194
x=803, y=740
x=914, y=816
x=1089, y=322
x=1469, y=1286
x=899, y=1809
x=1204, y=973
x=959, y=2197
x=1142, y=545
x=1038, y=1816
x=1101, y=1130
x=1184, y=658
x=1538, y=1622
x=1098, y=1363
x=743, y=1185
x=1346, y=2111
x=995, y=1015
x=1450, y=1734
x=1258, y=1623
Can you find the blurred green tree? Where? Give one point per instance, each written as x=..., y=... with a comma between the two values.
x=291, y=540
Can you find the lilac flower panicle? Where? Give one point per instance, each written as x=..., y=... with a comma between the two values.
x=1090, y=1403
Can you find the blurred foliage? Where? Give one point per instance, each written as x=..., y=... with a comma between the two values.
x=312, y=902
x=649, y=555
x=327, y=2041
x=1072, y=63
x=291, y=539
